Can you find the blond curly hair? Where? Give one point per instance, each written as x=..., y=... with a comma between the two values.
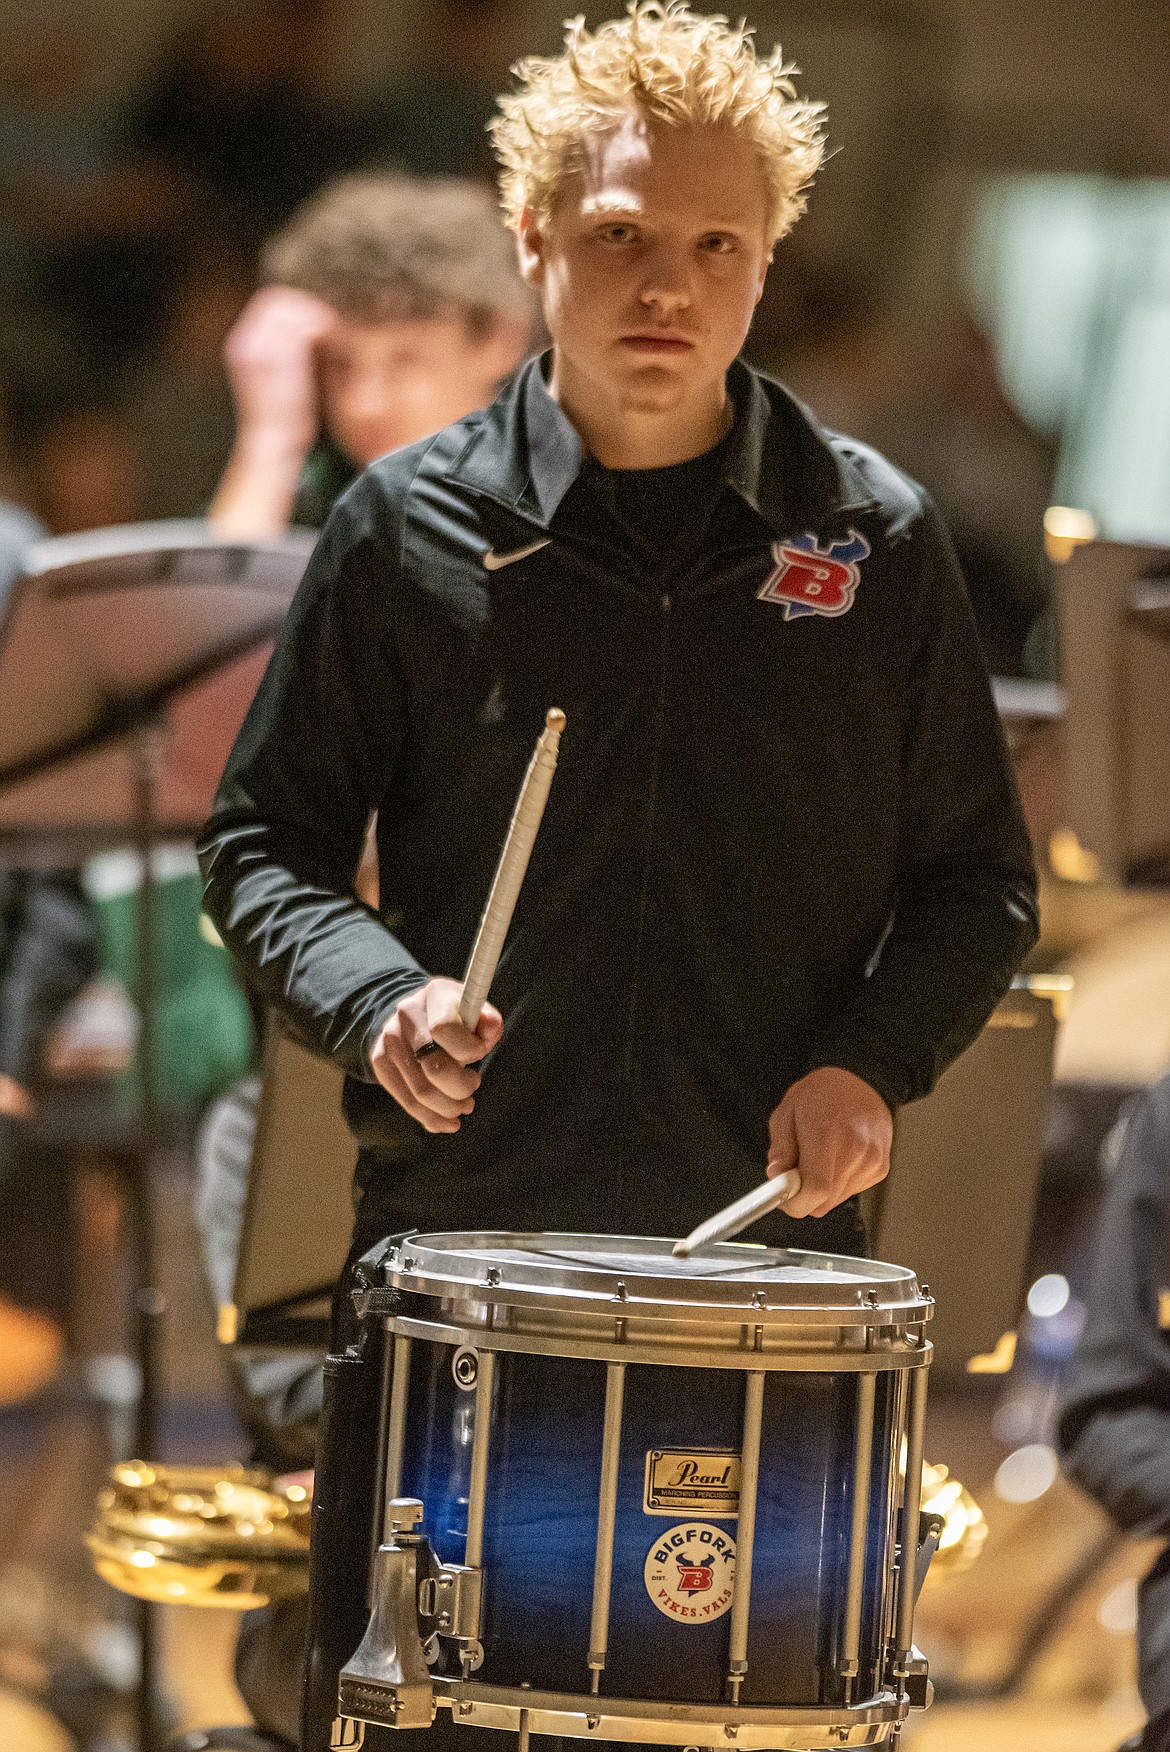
x=679, y=67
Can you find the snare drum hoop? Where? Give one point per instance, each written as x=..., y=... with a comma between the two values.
x=556, y=1303
x=461, y=1266
x=803, y=1726
x=861, y=1356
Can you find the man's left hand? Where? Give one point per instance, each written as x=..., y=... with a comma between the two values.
x=836, y=1131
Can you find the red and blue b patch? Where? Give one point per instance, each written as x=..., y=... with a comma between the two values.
x=811, y=579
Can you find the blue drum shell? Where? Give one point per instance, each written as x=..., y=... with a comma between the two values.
x=541, y=1522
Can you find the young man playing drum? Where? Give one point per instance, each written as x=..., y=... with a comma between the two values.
x=782, y=879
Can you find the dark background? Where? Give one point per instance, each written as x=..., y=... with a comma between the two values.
x=147, y=147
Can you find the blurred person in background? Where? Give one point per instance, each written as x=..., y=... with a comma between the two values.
x=842, y=358
x=80, y=458
x=47, y=952
x=1114, y=1431
x=391, y=306
x=85, y=466
x=991, y=476
x=177, y=399
x=954, y=429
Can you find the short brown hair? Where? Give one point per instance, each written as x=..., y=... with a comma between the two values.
x=379, y=246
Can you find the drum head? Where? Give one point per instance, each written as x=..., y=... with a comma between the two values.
x=731, y=1276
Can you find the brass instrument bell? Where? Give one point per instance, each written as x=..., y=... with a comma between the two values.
x=201, y=1535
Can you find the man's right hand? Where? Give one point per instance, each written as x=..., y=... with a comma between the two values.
x=439, y=1088
x=271, y=358
x=15, y=1100
x=271, y=362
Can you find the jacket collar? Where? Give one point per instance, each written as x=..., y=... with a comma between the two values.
x=784, y=463
x=525, y=454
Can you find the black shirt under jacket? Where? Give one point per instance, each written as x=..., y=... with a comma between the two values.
x=772, y=843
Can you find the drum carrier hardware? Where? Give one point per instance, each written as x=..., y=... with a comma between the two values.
x=630, y=1497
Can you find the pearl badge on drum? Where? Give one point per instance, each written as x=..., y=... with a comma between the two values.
x=690, y=1573
x=703, y=1481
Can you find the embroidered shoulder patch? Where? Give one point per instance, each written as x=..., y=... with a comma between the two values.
x=811, y=579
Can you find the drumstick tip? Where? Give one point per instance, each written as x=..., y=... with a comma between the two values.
x=554, y=719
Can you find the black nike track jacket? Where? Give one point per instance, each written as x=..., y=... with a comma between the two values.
x=783, y=833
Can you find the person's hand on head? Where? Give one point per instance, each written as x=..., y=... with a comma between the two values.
x=438, y=1089
x=15, y=1100
x=271, y=359
x=837, y=1132
x=271, y=356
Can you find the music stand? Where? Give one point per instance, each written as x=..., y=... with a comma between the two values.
x=973, y=1149
x=127, y=660
x=1026, y=707
x=303, y=1158
x=1113, y=600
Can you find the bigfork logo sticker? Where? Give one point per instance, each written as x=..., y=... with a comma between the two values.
x=690, y=1572
x=811, y=579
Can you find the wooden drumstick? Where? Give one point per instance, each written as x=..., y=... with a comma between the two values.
x=505, y=889
x=734, y=1217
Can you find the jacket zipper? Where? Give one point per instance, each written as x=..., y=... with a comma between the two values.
x=666, y=605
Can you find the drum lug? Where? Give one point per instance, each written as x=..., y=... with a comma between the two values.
x=450, y=1599
x=388, y=1680
x=914, y=1674
x=908, y=1669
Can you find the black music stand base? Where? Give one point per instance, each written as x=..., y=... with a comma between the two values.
x=149, y=1302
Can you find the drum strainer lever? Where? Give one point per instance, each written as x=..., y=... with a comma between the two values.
x=415, y=1599
x=388, y=1672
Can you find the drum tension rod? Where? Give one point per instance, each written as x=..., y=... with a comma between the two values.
x=395, y=1427
x=749, y=1475
x=477, y=1486
x=471, y=1654
x=611, y=1448
x=848, y=1666
x=377, y=1519
x=911, y=1511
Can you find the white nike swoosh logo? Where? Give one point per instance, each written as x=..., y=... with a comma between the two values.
x=492, y=561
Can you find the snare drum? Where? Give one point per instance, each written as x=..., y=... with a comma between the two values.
x=632, y=1497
